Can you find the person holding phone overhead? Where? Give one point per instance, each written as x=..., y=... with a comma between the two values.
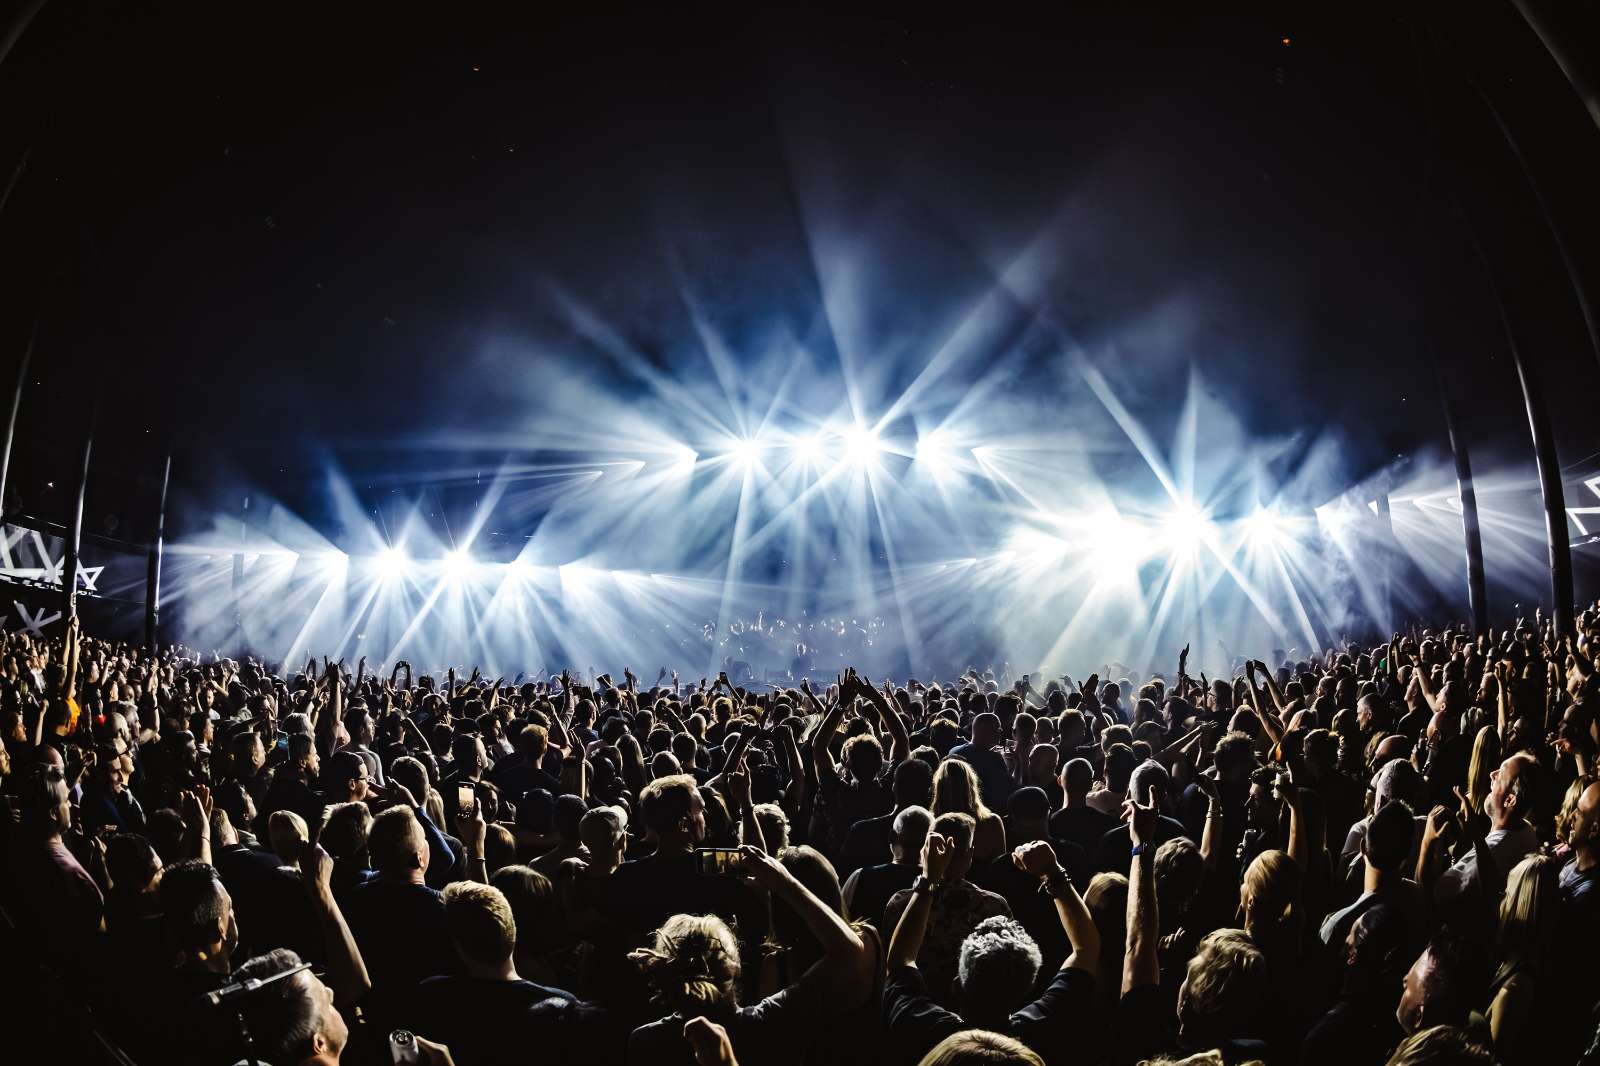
x=644, y=893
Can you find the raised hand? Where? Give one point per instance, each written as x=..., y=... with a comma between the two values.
x=1142, y=818
x=937, y=853
x=709, y=1042
x=1036, y=859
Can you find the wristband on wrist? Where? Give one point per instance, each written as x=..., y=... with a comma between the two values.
x=924, y=883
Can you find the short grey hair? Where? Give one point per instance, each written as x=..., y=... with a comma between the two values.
x=911, y=827
x=1147, y=774
x=999, y=954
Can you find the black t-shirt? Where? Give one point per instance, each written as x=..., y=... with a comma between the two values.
x=644, y=893
x=1050, y=1025
x=1034, y=909
x=777, y=1031
x=1145, y=1027
x=490, y=1023
x=866, y=844
x=1115, y=851
x=400, y=930
x=876, y=886
x=1083, y=826
x=270, y=901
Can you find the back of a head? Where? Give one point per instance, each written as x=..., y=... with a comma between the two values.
x=997, y=966
x=955, y=788
x=979, y=1047
x=1180, y=870
x=1389, y=836
x=1398, y=780
x=958, y=828
x=344, y=829
x=665, y=802
x=913, y=783
x=911, y=829
x=1029, y=804
x=394, y=842
x=480, y=923
x=1120, y=762
x=1441, y=1045
x=285, y=1017
x=529, y=893
x=693, y=965
x=193, y=904
x=287, y=833
x=1147, y=776
x=1077, y=777
x=569, y=814
x=1223, y=990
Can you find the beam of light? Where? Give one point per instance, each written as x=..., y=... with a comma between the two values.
x=808, y=450
x=456, y=564
x=1265, y=526
x=935, y=453
x=1335, y=520
x=861, y=445
x=745, y=452
x=1187, y=527
x=390, y=564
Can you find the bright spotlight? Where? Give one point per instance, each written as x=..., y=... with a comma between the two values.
x=456, y=563
x=861, y=445
x=934, y=452
x=1187, y=526
x=745, y=453
x=1264, y=526
x=391, y=563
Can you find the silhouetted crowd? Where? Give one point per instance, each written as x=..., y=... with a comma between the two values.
x=1380, y=854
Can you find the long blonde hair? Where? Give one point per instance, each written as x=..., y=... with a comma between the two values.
x=956, y=790
x=1270, y=897
x=1485, y=760
x=1528, y=914
x=693, y=965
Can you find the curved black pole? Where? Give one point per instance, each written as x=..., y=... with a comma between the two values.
x=152, y=580
x=69, y=571
x=1574, y=277
x=16, y=408
x=1477, y=599
x=1544, y=447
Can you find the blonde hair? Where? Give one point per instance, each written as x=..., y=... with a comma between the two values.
x=287, y=833
x=1569, y=805
x=1528, y=914
x=693, y=965
x=1485, y=760
x=1270, y=894
x=480, y=922
x=956, y=790
x=979, y=1047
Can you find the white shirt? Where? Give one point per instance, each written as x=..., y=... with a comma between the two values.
x=1508, y=846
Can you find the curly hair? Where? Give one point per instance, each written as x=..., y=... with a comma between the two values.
x=692, y=965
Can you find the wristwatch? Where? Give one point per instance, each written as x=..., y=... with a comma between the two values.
x=1140, y=849
x=925, y=884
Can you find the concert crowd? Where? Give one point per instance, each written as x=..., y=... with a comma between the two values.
x=1385, y=853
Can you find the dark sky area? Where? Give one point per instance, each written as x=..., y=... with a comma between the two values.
x=281, y=235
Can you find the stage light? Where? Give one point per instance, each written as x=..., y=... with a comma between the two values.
x=1265, y=526
x=456, y=563
x=745, y=453
x=1335, y=520
x=390, y=563
x=934, y=452
x=1187, y=527
x=861, y=445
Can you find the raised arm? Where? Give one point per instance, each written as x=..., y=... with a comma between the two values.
x=1037, y=859
x=899, y=739
x=347, y=971
x=1140, y=963
x=906, y=942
